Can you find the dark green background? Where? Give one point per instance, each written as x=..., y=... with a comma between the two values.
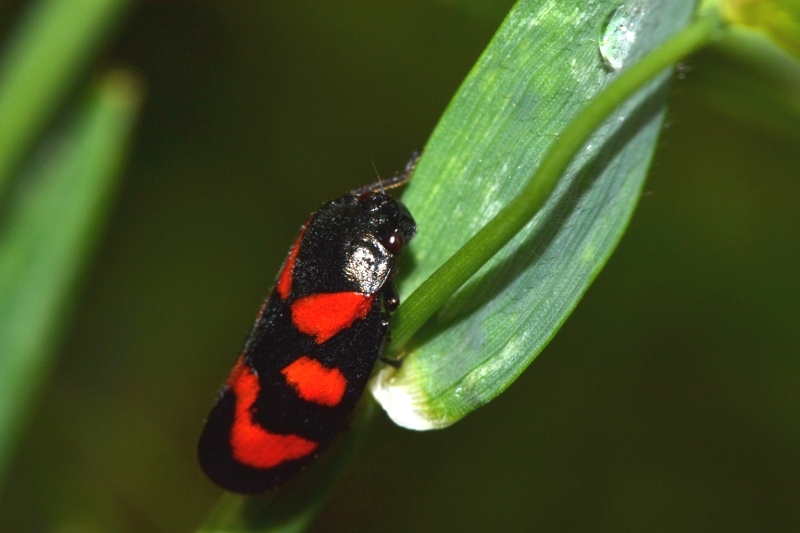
x=669, y=400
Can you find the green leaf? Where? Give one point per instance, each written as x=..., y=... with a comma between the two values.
x=50, y=226
x=43, y=59
x=779, y=19
x=547, y=61
x=753, y=80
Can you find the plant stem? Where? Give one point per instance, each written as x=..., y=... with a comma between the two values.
x=443, y=283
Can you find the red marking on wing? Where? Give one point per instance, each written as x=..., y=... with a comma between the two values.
x=284, y=284
x=325, y=315
x=314, y=382
x=251, y=444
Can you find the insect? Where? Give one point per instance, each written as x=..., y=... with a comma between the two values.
x=314, y=343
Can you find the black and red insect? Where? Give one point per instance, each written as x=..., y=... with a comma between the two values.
x=314, y=343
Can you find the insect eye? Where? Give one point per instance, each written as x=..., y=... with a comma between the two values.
x=394, y=241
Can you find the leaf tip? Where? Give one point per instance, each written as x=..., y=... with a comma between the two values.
x=405, y=402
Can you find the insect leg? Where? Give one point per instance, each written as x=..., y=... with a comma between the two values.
x=397, y=180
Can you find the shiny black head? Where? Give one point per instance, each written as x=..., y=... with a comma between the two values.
x=393, y=224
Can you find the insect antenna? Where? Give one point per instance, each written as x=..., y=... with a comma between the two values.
x=380, y=182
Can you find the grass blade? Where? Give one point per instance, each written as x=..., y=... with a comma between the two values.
x=49, y=230
x=547, y=61
x=45, y=56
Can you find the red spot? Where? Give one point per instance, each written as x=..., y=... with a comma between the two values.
x=284, y=284
x=251, y=444
x=325, y=315
x=314, y=382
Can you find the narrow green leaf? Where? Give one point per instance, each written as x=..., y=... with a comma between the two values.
x=44, y=57
x=548, y=60
x=49, y=228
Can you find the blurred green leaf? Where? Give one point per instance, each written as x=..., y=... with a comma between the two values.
x=50, y=226
x=546, y=62
x=753, y=80
x=44, y=57
x=779, y=19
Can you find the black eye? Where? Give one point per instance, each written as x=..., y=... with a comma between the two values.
x=394, y=242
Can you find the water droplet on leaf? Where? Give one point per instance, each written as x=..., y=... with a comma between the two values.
x=620, y=34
